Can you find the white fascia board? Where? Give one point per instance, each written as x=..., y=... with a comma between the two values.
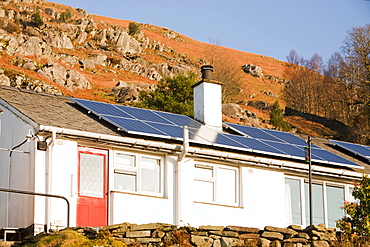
x=20, y=115
x=224, y=156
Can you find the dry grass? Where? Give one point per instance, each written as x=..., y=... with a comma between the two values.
x=70, y=238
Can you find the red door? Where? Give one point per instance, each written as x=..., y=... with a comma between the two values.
x=92, y=207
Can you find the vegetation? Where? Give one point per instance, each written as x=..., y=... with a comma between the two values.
x=8, y=26
x=37, y=19
x=225, y=72
x=338, y=91
x=71, y=238
x=171, y=95
x=356, y=224
x=277, y=118
x=133, y=29
x=65, y=17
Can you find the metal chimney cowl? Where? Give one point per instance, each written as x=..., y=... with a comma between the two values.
x=207, y=71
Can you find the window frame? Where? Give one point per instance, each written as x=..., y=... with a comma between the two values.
x=305, y=211
x=215, y=179
x=137, y=171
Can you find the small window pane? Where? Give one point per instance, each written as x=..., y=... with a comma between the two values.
x=91, y=175
x=226, y=186
x=125, y=160
x=204, y=171
x=150, y=175
x=204, y=191
x=335, y=200
x=317, y=204
x=125, y=181
x=293, y=199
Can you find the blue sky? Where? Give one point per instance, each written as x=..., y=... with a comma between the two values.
x=266, y=27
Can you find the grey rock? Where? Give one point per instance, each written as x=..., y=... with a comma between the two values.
x=4, y=80
x=253, y=70
x=201, y=241
x=211, y=228
x=81, y=38
x=272, y=235
x=320, y=244
x=230, y=242
x=138, y=234
x=263, y=242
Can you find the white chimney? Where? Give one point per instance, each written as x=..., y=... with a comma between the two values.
x=207, y=100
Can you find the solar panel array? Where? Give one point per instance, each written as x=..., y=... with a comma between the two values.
x=357, y=149
x=170, y=126
x=291, y=144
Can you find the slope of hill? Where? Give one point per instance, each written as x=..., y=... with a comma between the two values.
x=48, y=47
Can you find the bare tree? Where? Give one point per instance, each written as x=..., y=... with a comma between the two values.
x=356, y=58
x=225, y=71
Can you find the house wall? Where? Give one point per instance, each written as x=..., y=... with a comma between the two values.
x=62, y=156
x=260, y=193
x=261, y=201
x=16, y=171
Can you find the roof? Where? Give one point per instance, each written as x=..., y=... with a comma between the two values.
x=63, y=112
x=53, y=110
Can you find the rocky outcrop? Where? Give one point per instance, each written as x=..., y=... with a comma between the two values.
x=67, y=78
x=124, y=93
x=253, y=70
x=235, y=111
x=13, y=78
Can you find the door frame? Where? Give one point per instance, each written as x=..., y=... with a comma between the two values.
x=105, y=154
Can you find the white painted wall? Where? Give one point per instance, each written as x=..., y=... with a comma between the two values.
x=64, y=181
x=16, y=172
x=262, y=202
x=140, y=209
x=208, y=104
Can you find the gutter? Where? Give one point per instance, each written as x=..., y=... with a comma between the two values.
x=206, y=153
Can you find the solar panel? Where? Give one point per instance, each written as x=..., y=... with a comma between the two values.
x=170, y=126
x=286, y=137
x=143, y=114
x=333, y=158
x=270, y=135
x=180, y=120
x=356, y=149
x=134, y=126
x=100, y=108
x=292, y=150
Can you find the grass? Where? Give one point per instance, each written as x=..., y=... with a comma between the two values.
x=72, y=238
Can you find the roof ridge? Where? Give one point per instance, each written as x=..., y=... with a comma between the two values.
x=18, y=89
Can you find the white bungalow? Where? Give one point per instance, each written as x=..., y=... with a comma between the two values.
x=119, y=164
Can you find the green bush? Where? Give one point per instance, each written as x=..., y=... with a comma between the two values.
x=133, y=28
x=65, y=17
x=277, y=118
x=37, y=19
x=171, y=95
x=356, y=223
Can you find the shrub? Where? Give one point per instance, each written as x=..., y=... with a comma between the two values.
x=277, y=118
x=37, y=19
x=65, y=17
x=356, y=224
x=133, y=28
x=171, y=95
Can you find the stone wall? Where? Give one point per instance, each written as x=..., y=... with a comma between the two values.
x=158, y=234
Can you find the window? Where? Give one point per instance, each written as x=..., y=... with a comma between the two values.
x=327, y=200
x=216, y=184
x=138, y=173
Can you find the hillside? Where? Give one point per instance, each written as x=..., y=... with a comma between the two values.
x=52, y=48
